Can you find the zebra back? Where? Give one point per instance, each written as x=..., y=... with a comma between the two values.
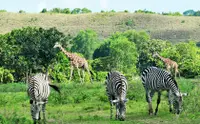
x=38, y=87
x=116, y=84
x=158, y=79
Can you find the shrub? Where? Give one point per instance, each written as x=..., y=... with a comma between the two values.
x=129, y=22
x=6, y=76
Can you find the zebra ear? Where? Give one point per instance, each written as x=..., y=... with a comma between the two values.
x=126, y=100
x=115, y=101
x=184, y=94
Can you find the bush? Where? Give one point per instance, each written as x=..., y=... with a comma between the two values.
x=101, y=75
x=6, y=76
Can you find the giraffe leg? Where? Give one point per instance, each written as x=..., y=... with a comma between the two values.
x=83, y=73
x=71, y=72
x=90, y=75
x=79, y=74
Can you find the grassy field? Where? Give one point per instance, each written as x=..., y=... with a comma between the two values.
x=173, y=28
x=88, y=104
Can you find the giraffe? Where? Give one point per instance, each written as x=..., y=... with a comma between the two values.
x=75, y=62
x=170, y=64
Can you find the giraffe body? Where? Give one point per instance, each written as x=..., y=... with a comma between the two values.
x=75, y=62
x=170, y=64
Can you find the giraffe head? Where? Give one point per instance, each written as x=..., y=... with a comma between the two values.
x=57, y=45
x=155, y=54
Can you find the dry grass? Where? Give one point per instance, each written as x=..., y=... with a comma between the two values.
x=174, y=28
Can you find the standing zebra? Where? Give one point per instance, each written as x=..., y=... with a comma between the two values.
x=156, y=80
x=116, y=88
x=38, y=91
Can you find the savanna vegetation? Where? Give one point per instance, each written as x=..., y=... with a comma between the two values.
x=123, y=47
x=88, y=104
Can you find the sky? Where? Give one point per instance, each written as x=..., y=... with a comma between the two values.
x=35, y=6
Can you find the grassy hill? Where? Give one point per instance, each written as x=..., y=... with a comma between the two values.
x=173, y=28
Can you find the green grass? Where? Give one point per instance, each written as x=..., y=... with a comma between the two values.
x=88, y=104
x=173, y=28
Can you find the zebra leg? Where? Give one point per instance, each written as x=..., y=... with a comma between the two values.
x=170, y=100
x=43, y=110
x=148, y=99
x=158, y=102
x=111, y=109
x=117, y=112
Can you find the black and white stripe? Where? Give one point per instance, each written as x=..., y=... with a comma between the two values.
x=116, y=88
x=38, y=91
x=156, y=80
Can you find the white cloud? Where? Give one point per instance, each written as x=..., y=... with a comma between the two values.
x=104, y=4
x=42, y=4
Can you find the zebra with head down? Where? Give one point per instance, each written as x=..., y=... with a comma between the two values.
x=38, y=91
x=116, y=88
x=157, y=80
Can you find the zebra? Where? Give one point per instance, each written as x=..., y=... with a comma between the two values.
x=116, y=88
x=157, y=80
x=38, y=91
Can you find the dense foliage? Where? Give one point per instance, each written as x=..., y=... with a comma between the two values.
x=30, y=50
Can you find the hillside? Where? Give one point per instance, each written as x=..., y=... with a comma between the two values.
x=179, y=28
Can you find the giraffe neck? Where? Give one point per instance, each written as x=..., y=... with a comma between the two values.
x=162, y=58
x=65, y=52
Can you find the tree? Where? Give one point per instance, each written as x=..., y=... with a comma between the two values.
x=56, y=10
x=189, y=59
x=85, y=10
x=66, y=11
x=22, y=11
x=44, y=10
x=126, y=11
x=76, y=11
x=116, y=53
x=124, y=55
x=29, y=49
x=85, y=43
x=189, y=12
x=197, y=13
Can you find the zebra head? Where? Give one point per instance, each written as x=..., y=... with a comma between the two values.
x=121, y=108
x=35, y=110
x=177, y=102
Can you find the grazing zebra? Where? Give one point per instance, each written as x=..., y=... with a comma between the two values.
x=116, y=88
x=38, y=91
x=156, y=80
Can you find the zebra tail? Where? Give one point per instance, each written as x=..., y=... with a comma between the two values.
x=55, y=88
x=91, y=73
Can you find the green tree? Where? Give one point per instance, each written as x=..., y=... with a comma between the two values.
x=124, y=54
x=22, y=11
x=76, y=11
x=85, y=10
x=189, y=13
x=44, y=10
x=29, y=49
x=56, y=10
x=85, y=43
x=197, y=13
x=66, y=11
x=189, y=59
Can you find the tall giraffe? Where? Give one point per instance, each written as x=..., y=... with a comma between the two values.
x=75, y=62
x=170, y=64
